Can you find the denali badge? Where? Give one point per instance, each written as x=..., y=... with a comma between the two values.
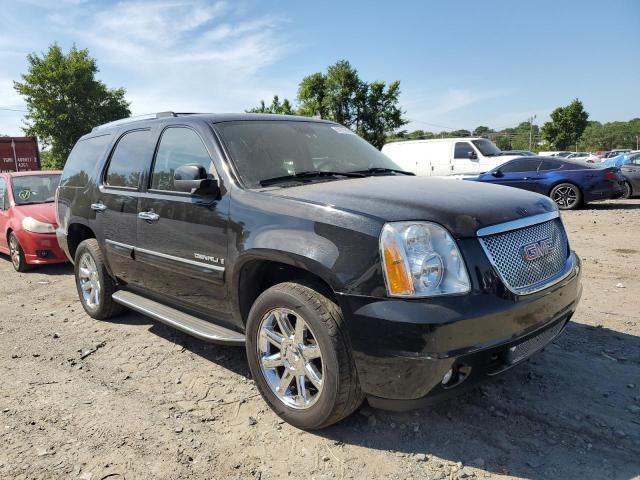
x=535, y=250
x=209, y=258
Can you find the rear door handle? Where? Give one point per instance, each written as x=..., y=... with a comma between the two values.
x=98, y=207
x=150, y=216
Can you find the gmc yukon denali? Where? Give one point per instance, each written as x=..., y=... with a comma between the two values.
x=343, y=276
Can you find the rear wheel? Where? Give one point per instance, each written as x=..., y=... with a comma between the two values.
x=94, y=284
x=17, y=254
x=567, y=196
x=626, y=190
x=300, y=358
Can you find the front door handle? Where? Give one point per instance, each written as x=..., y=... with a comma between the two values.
x=98, y=207
x=149, y=216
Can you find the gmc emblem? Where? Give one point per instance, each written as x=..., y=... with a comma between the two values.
x=536, y=250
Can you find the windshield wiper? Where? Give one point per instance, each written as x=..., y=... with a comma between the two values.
x=310, y=174
x=374, y=170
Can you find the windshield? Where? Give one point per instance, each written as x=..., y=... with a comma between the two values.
x=263, y=150
x=487, y=148
x=34, y=188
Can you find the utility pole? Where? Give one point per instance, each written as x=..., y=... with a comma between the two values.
x=15, y=157
x=531, y=130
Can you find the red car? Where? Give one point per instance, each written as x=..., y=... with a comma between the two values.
x=28, y=219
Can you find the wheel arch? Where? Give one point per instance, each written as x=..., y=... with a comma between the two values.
x=255, y=272
x=77, y=232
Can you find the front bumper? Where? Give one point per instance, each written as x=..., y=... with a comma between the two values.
x=40, y=248
x=404, y=348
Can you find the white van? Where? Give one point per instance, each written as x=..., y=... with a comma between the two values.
x=446, y=156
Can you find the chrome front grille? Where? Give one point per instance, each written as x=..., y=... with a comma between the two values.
x=531, y=257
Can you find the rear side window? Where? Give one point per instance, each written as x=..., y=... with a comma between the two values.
x=4, y=199
x=178, y=146
x=524, y=165
x=550, y=165
x=85, y=155
x=129, y=159
x=462, y=150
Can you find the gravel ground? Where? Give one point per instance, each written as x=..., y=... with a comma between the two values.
x=130, y=398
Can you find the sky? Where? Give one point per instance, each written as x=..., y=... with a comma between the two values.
x=461, y=64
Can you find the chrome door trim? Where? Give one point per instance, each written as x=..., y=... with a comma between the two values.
x=118, y=244
x=181, y=260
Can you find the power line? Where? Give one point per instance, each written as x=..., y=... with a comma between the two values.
x=13, y=109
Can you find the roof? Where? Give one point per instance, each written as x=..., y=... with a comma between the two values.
x=207, y=117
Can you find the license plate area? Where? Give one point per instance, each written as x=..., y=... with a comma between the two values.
x=530, y=346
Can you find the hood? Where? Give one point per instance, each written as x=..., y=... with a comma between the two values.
x=43, y=212
x=462, y=207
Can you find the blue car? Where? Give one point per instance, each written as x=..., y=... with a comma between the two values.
x=568, y=183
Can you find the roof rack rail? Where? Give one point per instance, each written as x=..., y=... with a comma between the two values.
x=138, y=118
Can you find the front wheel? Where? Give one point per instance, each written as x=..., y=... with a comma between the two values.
x=17, y=254
x=300, y=358
x=567, y=196
x=626, y=190
x=94, y=284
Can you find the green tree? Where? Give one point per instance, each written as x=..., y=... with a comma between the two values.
x=566, y=126
x=65, y=100
x=378, y=112
x=482, y=131
x=311, y=96
x=607, y=136
x=284, y=108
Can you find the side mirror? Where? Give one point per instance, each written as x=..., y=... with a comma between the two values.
x=497, y=173
x=472, y=155
x=194, y=179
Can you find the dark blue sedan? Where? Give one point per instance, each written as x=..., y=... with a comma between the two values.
x=569, y=184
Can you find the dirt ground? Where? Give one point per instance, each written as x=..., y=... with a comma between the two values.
x=133, y=399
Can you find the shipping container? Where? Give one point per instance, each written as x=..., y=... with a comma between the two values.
x=19, y=154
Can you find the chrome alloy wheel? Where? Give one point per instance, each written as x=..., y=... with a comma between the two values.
x=290, y=358
x=14, y=251
x=89, y=281
x=566, y=196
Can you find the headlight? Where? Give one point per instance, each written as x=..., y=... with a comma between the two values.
x=421, y=259
x=32, y=225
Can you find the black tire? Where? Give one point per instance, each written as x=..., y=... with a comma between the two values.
x=567, y=196
x=17, y=254
x=341, y=393
x=105, y=307
x=626, y=189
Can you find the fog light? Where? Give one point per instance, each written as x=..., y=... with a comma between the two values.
x=447, y=377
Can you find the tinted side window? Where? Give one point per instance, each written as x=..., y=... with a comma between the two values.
x=178, y=146
x=525, y=165
x=85, y=155
x=550, y=165
x=129, y=159
x=462, y=150
x=4, y=200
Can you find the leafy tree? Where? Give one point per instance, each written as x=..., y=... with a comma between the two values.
x=65, y=100
x=371, y=109
x=482, y=131
x=284, y=108
x=459, y=133
x=607, y=136
x=378, y=112
x=503, y=142
x=311, y=96
x=566, y=126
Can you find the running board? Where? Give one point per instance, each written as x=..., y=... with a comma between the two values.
x=184, y=322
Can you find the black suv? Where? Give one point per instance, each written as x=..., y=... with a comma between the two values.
x=345, y=277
